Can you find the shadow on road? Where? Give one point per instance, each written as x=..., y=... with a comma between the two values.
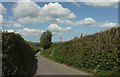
x=34, y=67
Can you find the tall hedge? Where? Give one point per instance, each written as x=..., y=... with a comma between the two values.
x=17, y=55
x=99, y=52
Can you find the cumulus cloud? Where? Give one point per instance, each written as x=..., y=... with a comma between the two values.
x=92, y=0
x=102, y=4
x=1, y=18
x=86, y=21
x=105, y=24
x=6, y=23
x=76, y=4
x=26, y=9
x=55, y=29
x=97, y=3
x=9, y=30
x=108, y=24
x=30, y=12
x=55, y=10
x=11, y=23
x=2, y=9
x=32, y=32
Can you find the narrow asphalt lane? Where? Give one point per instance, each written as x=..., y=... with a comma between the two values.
x=48, y=67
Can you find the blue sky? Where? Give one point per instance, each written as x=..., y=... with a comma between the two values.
x=64, y=19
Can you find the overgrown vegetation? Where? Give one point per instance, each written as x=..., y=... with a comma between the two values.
x=17, y=55
x=98, y=53
x=35, y=46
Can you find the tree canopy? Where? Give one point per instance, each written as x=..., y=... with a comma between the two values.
x=45, y=40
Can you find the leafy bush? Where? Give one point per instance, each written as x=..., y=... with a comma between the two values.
x=35, y=47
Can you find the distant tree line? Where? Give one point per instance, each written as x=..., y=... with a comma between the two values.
x=35, y=46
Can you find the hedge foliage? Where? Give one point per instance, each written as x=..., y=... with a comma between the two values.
x=17, y=55
x=99, y=52
x=34, y=46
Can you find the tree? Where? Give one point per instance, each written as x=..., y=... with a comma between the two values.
x=45, y=40
x=75, y=38
x=81, y=35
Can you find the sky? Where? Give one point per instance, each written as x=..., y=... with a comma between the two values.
x=63, y=19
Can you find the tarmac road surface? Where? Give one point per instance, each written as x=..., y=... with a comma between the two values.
x=47, y=67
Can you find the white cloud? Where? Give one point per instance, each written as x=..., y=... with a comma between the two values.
x=55, y=10
x=56, y=33
x=9, y=30
x=102, y=4
x=76, y=4
x=108, y=25
x=6, y=23
x=11, y=23
x=55, y=29
x=26, y=9
x=86, y=21
x=2, y=9
x=49, y=13
x=105, y=24
x=92, y=0
x=1, y=18
x=32, y=32
x=31, y=13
